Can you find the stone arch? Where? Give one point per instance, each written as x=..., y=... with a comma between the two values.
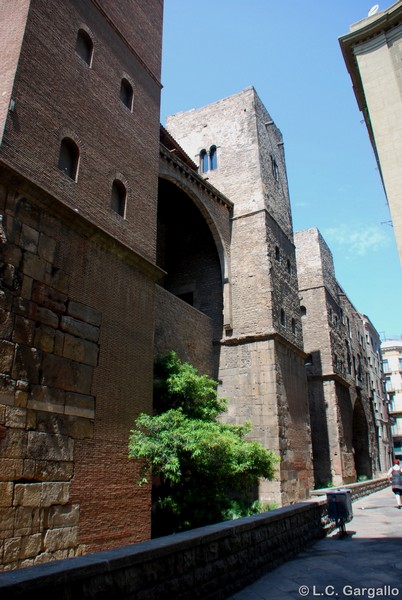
x=200, y=203
x=187, y=251
x=361, y=442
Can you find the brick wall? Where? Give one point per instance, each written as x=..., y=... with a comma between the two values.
x=71, y=99
x=76, y=362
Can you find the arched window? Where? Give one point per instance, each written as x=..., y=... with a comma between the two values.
x=303, y=311
x=69, y=158
x=119, y=195
x=283, y=318
x=204, y=161
x=84, y=46
x=126, y=93
x=213, y=159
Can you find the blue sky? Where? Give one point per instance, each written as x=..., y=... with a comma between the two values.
x=289, y=51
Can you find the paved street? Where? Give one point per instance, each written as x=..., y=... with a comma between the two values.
x=365, y=564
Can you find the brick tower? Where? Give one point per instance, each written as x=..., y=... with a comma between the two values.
x=240, y=150
x=79, y=152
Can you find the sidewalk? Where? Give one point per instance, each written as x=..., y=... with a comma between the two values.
x=365, y=564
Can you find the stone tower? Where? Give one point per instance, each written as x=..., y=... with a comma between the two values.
x=261, y=366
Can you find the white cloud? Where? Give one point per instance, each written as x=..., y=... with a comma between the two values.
x=355, y=240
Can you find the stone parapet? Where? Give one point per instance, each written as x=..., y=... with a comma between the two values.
x=211, y=562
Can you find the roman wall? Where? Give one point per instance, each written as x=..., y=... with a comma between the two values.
x=345, y=447
x=261, y=357
x=76, y=369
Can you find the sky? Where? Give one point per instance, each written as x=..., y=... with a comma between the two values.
x=289, y=51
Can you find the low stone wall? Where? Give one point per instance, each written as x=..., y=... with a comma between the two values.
x=358, y=490
x=210, y=563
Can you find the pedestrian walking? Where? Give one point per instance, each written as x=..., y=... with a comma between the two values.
x=395, y=477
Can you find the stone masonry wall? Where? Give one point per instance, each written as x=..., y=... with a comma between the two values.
x=76, y=363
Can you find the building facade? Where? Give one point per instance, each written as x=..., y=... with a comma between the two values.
x=372, y=52
x=378, y=397
x=349, y=421
x=121, y=239
x=392, y=367
x=79, y=161
x=261, y=361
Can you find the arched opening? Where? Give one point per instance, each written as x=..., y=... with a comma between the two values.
x=186, y=250
x=126, y=93
x=84, y=46
x=204, y=161
x=119, y=194
x=68, y=158
x=360, y=437
x=213, y=158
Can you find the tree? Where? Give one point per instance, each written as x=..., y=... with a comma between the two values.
x=199, y=463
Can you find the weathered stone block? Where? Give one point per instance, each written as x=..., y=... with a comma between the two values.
x=25, y=211
x=66, y=374
x=46, y=470
x=47, y=399
x=58, y=279
x=12, y=228
x=63, y=516
x=81, y=429
x=29, y=238
x=49, y=297
x=79, y=328
x=57, y=539
x=23, y=521
x=11, y=254
x=6, y=356
x=31, y=545
x=80, y=405
x=44, y=338
x=46, y=247
x=6, y=493
x=6, y=300
x=33, y=266
x=20, y=399
x=27, y=363
x=23, y=331
x=26, y=287
x=80, y=350
x=11, y=278
x=44, y=446
x=12, y=548
x=58, y=343
x=43, y=315
x=38, y=518
x=55, y=492
x=84, y=313
x=27, y=494
x=11, y=468
x=7, y=390
x=7, y=516
x=16, y=417
x=6, y=324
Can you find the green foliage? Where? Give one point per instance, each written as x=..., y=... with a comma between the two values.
x=178, y=385
x=239, y=509
x=322, y=485
x=200, y=462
